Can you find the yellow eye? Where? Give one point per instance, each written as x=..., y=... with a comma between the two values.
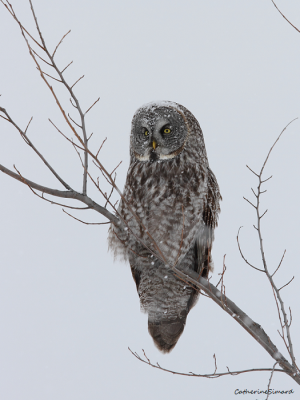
x=146, y=133
x=167, y=130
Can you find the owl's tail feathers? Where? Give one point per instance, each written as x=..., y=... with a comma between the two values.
x=166, y=333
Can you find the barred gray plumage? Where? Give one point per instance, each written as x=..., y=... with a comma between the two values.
x=171, y=195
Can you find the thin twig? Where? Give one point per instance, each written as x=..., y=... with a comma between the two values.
x=263, y=214
x=279, y=264
x=222, y=279
x=286, y=283
x=66, y=66
x=210, y=376
x=11, y=11
x=216, y=367
x=74, y=105
x=101, y=147
x=77, y=81
x=41, y=58
x=285, y=17
x=284, y=325
x=50, y=76
x=111, y=192
x=270, y=380
x=60, y=43
x=86, y=223
x=267, y=179
x=247, y=262
x=6, y=119
x=28, y=125
x=79, y=126
x=251, y=170
x=66, y=194
x=116, y=167
x=92, y=106
x=28, y=141
x=249, y=202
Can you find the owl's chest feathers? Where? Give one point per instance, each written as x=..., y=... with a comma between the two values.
x=158, y=184
x=168, y=198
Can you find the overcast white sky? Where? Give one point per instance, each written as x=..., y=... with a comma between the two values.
x=67, y=311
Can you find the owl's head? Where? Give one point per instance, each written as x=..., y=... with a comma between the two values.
x=159, y=131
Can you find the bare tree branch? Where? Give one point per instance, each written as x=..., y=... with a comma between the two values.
x=77, y=81
x=28, y=141
x=284, y=325
x=28, y=125
x=116, y=167
x=92, y=106
x=287, y=283
x=86, y=223
x=46, y=62
x=247, y=262
x=69, y=194
x=249, y=202
x=263, y=254
x=254, y=329
x=270, y=380
x=192, y=374
x=279, y=264
x=52, y=77
x=285, y=17
x=60, y=42
x=67, y=66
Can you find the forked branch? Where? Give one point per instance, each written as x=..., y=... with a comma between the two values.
x=213, y=375
x=286, y=334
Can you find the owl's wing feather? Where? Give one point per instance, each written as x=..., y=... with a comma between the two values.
x=136, y=274
x=204, y=239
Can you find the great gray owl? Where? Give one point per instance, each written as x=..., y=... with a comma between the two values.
x=171, y=197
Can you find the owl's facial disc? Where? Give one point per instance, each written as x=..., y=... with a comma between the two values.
x=158, y=134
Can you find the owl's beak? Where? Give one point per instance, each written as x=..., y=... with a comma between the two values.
x=154, y=144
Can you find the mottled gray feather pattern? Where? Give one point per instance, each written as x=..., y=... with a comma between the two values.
x=175, y=195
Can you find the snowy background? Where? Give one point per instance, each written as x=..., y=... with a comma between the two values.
x=68, y=312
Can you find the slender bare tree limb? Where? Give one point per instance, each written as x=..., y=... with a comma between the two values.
x=60, y=42
x=67, y=194
x=284, y=325
x=286, y=283
x=285, y=17
x=254, y=329
x=28, y=141
x=290, y=344
x=279, y=264
x=67, y=66
x=11, y=11
x=28, y=125
x=246, y=261
x=52, y=77
x=92, y=106
x=213, y=375
x=222, y=273
x=85, y=142
x=41, y=58
x=86, y=223
x=270, y=380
